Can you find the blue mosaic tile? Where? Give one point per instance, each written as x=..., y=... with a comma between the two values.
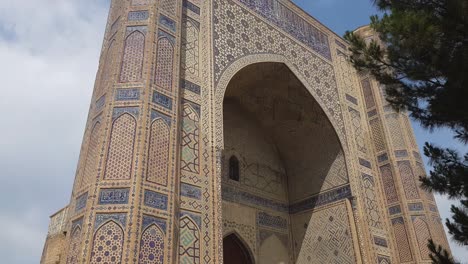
x=155, y=115
x=81, y=202
x=372, y=113
x=433, y=208
x=365, y=163
x=164, y=34
x=167, y=22
x=138, y=15
x=190, y=191
x=382, y=158
x=100, y=103
x=162, y=100
x=414, y=207
x=292, y=23
x=339, y=44
x=191, y=7
x=352, y=99
x=322, y=199
x=189, y=86
x=120, y=218
x=380, y=241
x=155, y=200
x=118, y=111
x=127, y=94
x=193, y=216
x=142, y=29
x=265, y=219
x=195, y=106
x=235, y=195
x=398, y=220
x=394, y=210
x=78, y=222
x=114, y=196
x=150, y=220
x=401, y=153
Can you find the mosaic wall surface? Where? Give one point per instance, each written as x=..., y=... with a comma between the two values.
x=152, y=185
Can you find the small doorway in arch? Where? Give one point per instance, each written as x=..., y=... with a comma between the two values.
x=234, y=251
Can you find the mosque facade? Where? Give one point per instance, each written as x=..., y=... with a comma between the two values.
x=237, y=131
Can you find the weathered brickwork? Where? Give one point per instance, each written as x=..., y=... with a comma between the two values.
x=240, y=127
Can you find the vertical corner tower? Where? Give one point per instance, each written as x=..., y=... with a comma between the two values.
x=238, y=128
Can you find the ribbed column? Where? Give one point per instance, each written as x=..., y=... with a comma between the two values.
x=124, y=207
x=413, y=213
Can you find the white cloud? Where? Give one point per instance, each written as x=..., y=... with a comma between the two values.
x=49, y=52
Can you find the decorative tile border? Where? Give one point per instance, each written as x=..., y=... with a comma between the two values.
x=278, y=222
x=114, y=196
x=189, y=86
x=365, y=163
x=120, y=218
x=118, y=111
x=155, y=115
x=132, y=94
x=382, y=158
x=191, y=7
x=233, y=195
x=401, y=153
x=322, y=199
x=414, y=207
x=150, y=220
x=352, y=99
x=292, y=23
x=81, y=202
x=380, y=241
x=138, y=15
x=155, y=200
x=167, y=22
x=190, y=191
x=394, y=210
x=162, y=100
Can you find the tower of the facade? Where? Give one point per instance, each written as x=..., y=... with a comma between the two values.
x=239, y=126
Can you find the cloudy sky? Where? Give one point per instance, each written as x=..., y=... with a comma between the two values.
x=49, y=53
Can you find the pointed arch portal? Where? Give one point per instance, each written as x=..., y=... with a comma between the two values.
x=235, y=251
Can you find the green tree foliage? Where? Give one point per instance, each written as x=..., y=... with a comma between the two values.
x=422, y=59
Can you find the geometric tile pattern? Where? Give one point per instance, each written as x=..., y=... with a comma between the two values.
x=190, y=138
x=289, y=21
x=370, y=201
x=81, y=202
x=396, y=132
x=89, y=173
x=75, y=245
x=168, y=6
x=408, y=180
x=268, y=220
x=138, y=15
x=189, y=245
x=328, y=238
x=107, y=244
x=422, y=235
x=120, y=153
x=358, y=133
x=155, y=200
x=164, y=63
x=107, y=69
x=377, y=135
x=368, y=94
x=388, y=184
x=190, y=48
x=114, y=196
x=167, y=22
x=401, y=237
x=152, y=246
x=132, y=62
x=158, y=156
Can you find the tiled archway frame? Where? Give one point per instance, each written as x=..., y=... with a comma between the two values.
x=220, y=90
x=336, y=120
